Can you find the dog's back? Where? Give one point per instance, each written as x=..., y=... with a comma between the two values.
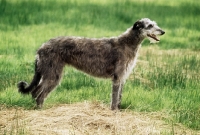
x=96, y=57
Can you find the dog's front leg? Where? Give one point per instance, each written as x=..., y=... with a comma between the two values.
x=116, y=95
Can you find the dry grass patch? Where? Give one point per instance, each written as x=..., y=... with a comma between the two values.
x=85, y=119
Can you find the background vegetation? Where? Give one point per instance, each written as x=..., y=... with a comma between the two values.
x=166, y=78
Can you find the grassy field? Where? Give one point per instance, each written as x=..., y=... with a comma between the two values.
x=166, y=78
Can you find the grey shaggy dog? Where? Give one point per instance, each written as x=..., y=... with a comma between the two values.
x=112, y=58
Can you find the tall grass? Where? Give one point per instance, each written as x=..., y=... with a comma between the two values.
x=164, y=79
x=167, y=86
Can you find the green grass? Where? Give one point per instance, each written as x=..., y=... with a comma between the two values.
x=165, y=79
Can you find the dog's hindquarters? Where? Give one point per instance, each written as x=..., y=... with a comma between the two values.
x=48, y=71
x=51, y=67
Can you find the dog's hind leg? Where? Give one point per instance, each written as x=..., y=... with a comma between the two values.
x=45, y=89
x=49, y=81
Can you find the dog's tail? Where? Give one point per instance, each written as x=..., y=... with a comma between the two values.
x=22, y=86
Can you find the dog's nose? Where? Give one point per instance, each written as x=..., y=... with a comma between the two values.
x=162, y=32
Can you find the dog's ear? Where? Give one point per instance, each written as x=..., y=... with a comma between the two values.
x=138, y=25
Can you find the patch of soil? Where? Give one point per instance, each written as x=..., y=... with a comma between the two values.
x=85, y=119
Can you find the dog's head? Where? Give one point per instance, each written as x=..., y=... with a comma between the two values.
x=149, y=29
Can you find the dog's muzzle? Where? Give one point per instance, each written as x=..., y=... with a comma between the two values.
x=162, y=32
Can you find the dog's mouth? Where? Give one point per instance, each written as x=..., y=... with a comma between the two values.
x=154, y=37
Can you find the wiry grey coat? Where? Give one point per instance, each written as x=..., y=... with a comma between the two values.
x=106, y=57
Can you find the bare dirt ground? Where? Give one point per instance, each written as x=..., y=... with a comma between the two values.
x=86, y=119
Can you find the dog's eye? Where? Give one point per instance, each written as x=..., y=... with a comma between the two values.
x=150, y=26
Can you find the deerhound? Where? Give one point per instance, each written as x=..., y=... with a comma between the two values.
x=112, y=58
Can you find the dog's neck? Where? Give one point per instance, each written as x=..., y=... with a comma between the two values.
x=131, y=41
x=131, y=38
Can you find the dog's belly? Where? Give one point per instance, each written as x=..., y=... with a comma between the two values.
x=95, y=68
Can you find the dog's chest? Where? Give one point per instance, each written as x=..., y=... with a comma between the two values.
x=129, y=66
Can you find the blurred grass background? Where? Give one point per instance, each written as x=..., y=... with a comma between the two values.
x=165, y=79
